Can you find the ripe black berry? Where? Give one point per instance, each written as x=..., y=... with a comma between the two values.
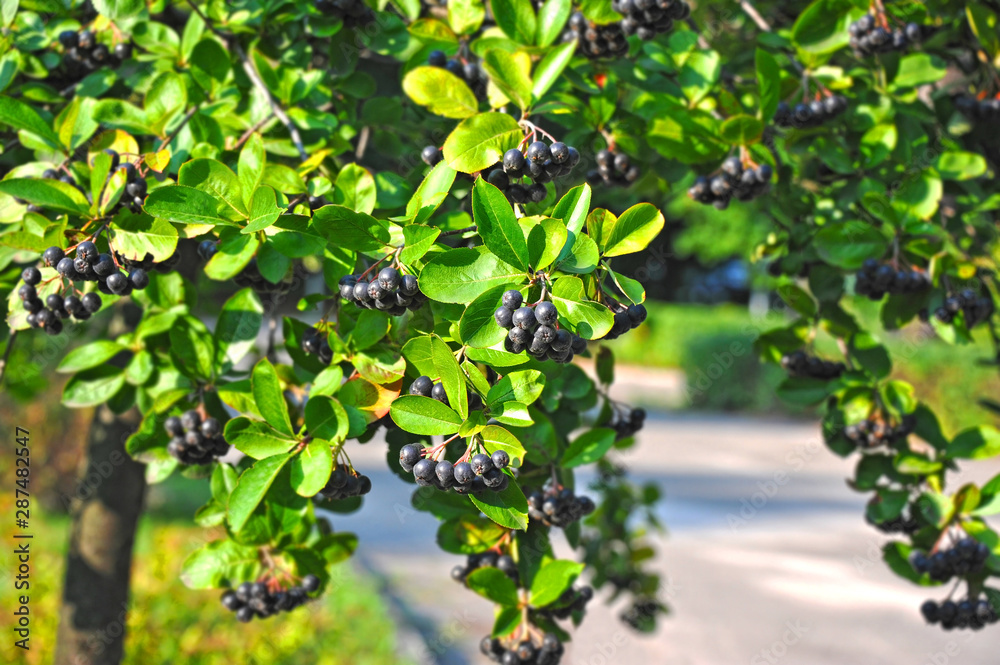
x=546, y=314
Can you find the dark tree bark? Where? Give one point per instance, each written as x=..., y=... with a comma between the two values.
x=105, y=510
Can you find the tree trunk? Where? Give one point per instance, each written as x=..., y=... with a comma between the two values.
x=106, y=508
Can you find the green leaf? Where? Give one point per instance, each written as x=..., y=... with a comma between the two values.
x=552, y=65
x=589, y=447
x=192, y=345
x=463, y=274
x=355, y=189
x=769, y=83
x=251, y=167
x=741, y=130
x=372, y=326
x=979, y=442
x=238, y=326
x=419, y=239
x=468, y=534
x=257, y=439
x=589, y=319
x=481, y=141
x=89, y=355
x=516, y=18
x=20, y=116
x=218, y=181
x=221, y=564
x=311, y=468
x=918, y=69
x=184, y=205
x=466, y=16
x=422, y=415
x=551, y=20
x=441, y=92
x=269, y=396
x=138, y=235
x=554, y=578
x=512, y=413
x=326, y=418
x=509, y=77
x=448, y=371
x=984, y=25
x=498, y=438
x=93, y=386
x=250, y=490
x=822, y=27
x=235, y=252
x=508, y=508
x=264, y=210
x=477, y=327
x=546, y=240
x=117, y=9
x=634, y=230
x=165, y=99
x=796, y=298
x=523, y=386
x=492, y=584
x=847, y=244
x=958, y=165
x=52, y=195
x=497, y=224
x=351, y=229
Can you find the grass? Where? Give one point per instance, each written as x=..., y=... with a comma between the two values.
x=694, y=337
x=169, y=624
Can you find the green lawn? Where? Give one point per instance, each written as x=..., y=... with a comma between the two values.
x=170, y=624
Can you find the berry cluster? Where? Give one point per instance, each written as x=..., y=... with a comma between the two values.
x=525, y=652
x=629, y=424
x=813, y=114
x=974, y=108
x=258, y=600
x=489, y=559
x=470, y=71
x=966, y=557
x=872, y=433
x=482, y=472
x=868, y=37
x=975, y=309
x=974, y=613
x=648, y=18
x=874, y=280
x=84, y=54
x=354, y=13
x=614, y=169
x=596, y=41
x=389, y=292
x=801, y=364
x=899, y=524
x=541, y=162
x=135, y=185
x=535, y=330
x=558, y=507
x=626, y=319
x=425, y=387
x=315, y=343
x=572, y=600
x=733, y=181
x=345, y=483
x=193, y=440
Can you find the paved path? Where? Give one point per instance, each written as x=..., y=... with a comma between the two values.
x=768, y=559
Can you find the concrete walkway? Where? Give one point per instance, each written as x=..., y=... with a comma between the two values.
x=769, y=559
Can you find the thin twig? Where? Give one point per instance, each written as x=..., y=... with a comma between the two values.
x=459, y=231
x=249, y=132
x=255, y=78
x=173, y=134
x=362, y=142
x=755, y=15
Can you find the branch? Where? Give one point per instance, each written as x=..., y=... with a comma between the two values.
x=255, y=78
x=275, y=107
x=459, y=231
x=177, y=130
x=755, y=15
x=249, y=132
